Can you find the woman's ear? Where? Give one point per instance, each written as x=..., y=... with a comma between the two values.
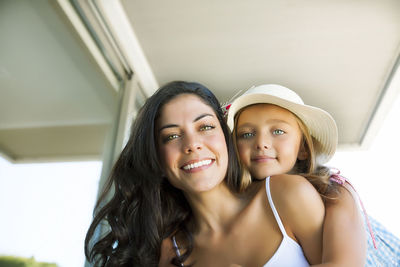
x=303, y=153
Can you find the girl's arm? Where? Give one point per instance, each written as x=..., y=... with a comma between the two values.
x=344, y=237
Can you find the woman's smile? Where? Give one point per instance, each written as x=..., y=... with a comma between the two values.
x=197, y=165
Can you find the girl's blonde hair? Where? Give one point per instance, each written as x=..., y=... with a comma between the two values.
x=317, y=174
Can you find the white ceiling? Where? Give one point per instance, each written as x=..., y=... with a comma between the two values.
x=55, y=102
x=337, y=55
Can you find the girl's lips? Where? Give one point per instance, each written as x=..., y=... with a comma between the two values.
x=262, y=158
x=197, y=165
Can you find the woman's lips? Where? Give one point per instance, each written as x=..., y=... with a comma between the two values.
x=197, y=165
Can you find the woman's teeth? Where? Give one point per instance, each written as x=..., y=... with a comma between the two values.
x=197, y=164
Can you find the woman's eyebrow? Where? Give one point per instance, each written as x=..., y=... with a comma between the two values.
x=168, y=126
x=202, y=116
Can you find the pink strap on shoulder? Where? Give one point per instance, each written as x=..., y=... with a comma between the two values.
x=337, y=178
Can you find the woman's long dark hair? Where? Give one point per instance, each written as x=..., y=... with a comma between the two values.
x=145, y=208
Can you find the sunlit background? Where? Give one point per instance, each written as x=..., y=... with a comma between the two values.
x=73, y=74
x=46, y=210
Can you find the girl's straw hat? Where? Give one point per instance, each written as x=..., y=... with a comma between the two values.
x=320, y=124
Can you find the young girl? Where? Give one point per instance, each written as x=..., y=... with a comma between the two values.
x=275, y=134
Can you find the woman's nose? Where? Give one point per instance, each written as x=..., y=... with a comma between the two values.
x=191, y=144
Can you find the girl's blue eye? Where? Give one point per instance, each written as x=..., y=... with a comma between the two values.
x=246, y=135
x=278, y=132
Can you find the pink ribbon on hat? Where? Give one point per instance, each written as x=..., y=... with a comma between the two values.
x=337, y=178
x=226, y=108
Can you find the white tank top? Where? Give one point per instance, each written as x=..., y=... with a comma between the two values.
x=289, y=252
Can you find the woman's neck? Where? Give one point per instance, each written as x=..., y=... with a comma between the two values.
x=216, y=210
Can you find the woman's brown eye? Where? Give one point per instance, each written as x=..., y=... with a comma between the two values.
x=206, y=127
x=170, y=137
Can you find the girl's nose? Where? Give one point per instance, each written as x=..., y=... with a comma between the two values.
x=263, y=142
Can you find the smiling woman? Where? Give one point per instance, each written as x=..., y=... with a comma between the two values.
x=145, y=208
x=191, y=144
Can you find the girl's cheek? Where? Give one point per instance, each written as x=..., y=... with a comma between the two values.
x=244, y=155
x=243, y=148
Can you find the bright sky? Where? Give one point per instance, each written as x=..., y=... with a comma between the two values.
x=46, y=208
x=375, y=173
